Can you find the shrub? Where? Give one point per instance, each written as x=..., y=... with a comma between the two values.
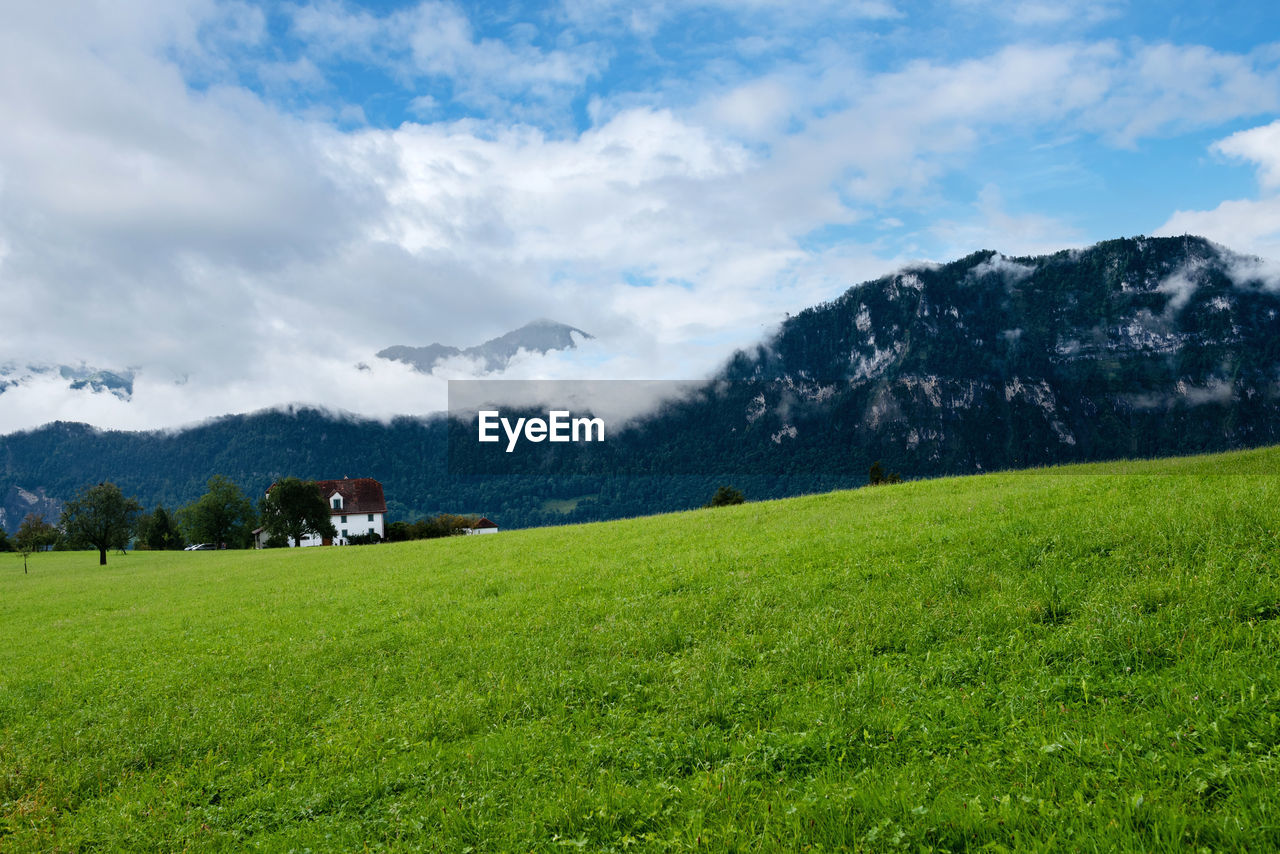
x=725, y=496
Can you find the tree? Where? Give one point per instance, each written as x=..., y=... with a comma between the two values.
x=442, y=525
x=295, y=509
x=276, y=541
x=141, y=528
x=100, y=516
x=34, y=534
x=876, y=475
x=222, y=516
x=5, y=545
x=426, y=528
x=725, y=496
x=160, y=532
x=398, y=532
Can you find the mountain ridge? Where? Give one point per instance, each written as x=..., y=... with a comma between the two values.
x=538, y=336
x=95, y=380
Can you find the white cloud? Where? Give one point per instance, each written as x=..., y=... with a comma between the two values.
x=1261, y=145
x=896, y=133
x=1002, y=265
x=774, y=15
x=435, y=39
x=1163, y=87
x=995, y=228
x=1246, y=225
x=423, y=106
x=756, y=108
x=1182, y=284
x=385, y=390
x=1046, y=13
x=130, y=201
x=645, y=191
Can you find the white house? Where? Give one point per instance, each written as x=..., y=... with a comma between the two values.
x=356, y=506
x=483, y=526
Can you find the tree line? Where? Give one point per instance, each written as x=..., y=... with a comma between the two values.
x=441, y=525
x=103, y=518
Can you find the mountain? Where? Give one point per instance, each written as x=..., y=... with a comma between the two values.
x=1138, y=347
x=1130, y=348
x=118, y=383
x=540, y=336
x=16, y=503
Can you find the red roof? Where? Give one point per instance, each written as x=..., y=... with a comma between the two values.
x=359, y=495
x=484, y=523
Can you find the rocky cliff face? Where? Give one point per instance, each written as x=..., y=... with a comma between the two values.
x=1130, y=347
x=18, y=502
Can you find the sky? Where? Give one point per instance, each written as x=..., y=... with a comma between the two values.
x=242, y=202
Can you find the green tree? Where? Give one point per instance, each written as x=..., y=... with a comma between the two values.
x=100, y=517
x=295, y=509
x=141, y=527
x=276, y=541
x=161, y=532
x=5, y=545
x=876, y=475
x=222, y=516
x=725, y=496
x=33, y=535
x=442, y=525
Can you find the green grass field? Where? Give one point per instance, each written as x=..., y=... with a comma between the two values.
x=1051, y=661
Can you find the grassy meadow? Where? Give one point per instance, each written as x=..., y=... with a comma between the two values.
x=1067, y=660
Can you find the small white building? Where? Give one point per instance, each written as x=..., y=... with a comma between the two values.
x=356, y=506
x=483, y=526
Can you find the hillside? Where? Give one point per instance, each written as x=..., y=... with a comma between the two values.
x=1057, y=660
x=407, y=455
x=1145, y=347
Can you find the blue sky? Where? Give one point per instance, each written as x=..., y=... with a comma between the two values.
x=244, y=201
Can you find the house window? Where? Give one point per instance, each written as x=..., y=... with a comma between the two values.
x=337, y=502
x=370, y=519
x=344, y=520
x=344, y=533
x=371, y=531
